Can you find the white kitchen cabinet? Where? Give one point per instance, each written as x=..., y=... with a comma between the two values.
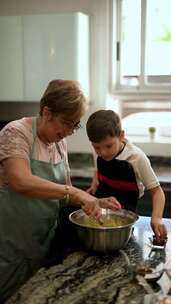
x=40, y=48
x=11, y=58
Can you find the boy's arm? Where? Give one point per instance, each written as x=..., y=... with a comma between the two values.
x=158, y=203
x=94, y=184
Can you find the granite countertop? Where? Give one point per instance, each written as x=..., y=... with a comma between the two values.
x=91, y=278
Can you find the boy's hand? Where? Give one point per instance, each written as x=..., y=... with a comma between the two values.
x=92, y=189
x=159, y=228
x=94, y=185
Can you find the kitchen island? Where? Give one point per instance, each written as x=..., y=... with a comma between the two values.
x=89, y=278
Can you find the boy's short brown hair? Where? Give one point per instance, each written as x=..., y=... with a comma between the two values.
x=64, y=97
x=103, y=123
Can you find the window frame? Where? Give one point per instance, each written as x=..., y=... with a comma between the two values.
x=150, y=90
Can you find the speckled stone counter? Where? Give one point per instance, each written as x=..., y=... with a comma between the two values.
x=87, y=278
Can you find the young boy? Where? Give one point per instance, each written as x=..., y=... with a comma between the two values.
x=123, y=170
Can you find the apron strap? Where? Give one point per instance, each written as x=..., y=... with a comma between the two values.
x=34, y=129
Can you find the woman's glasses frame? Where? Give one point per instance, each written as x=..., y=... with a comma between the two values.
x=71, y=125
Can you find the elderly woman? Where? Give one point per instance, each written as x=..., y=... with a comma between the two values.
x=34, y=181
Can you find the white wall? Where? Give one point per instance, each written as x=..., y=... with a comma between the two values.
x=98, y=10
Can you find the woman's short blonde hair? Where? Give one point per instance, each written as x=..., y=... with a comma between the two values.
x=65, y=98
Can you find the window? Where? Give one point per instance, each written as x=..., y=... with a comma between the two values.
x=142, y=36
x=141, y=69
x=144, y=121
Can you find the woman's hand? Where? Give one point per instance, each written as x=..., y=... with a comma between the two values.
x=159, y=228
x=92, y=206
x=110, y=203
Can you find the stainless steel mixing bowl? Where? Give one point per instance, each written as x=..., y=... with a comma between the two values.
x=103, y=239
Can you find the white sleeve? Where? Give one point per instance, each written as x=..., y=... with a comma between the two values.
x=146, y=173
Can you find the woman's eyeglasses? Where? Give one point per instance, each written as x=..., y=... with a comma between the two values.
x=71, y=125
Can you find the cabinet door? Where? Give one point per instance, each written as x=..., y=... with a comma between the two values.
x=42, y=48
x=50, y=51
x=11, y=58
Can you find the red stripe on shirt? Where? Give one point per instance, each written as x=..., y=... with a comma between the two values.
x=118, y=184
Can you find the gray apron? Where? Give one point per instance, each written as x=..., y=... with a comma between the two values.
x=27, y=227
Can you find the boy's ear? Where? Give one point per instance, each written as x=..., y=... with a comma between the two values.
x=122, y=135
